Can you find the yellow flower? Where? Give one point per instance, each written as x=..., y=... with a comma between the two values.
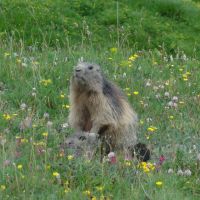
x=141, y=122
x=48, y=167
x=62, y=96
x=7, y=117
x=113, y=50
x=87, y=192
x=94, y=198
x=24, y=140
x=66, y=106
x=135, y=92
x=181, y=102
x=180, y=69
x=45, y=134
x=99, y=188
x=70, y=157
x=171, y=117
x=152, y=129
x=3, y=187
x=159, y=183
x=56, y=174
x=18, y=61
x=19, y=166
x=67, y=190
x=46, y=82
x=147, y=167
x=133, y=57
x=127, y=163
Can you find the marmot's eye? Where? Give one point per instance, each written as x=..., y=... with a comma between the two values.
x=90, y=67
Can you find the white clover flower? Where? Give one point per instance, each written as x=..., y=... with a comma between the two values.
x=65, y=125
x=175, y=99
x=46, y=115
x=187, y=172
x=166, y=94
x=23, y=106
x=180, y=172
x=170, y=171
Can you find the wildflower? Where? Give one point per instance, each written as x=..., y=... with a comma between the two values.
x=133, y=57
x=166, y=94
x=94, y=198
x=158, y=96
x=24, y=140
x=23, y=106
x=171, y=117
x=175, y=99
x=180, y=172
x=170, y=171
x=100, y=188
x=46, y=82
x=45, y=134
x=70, y=157
x=135, y=92
x=127, y=163
x=18, y=61
x=152, y=129
x=87, y=192
x=161, y=159
x=33, y=94
x=6, y=54
x=19, y=166
x=47, y=167
x=125, y=63
x=113, y=50
x=67, y=190
x=181, y=102
x=56, y=174
x=65, y=125
x=180, y=69
x=62, y=95
x=46, y=115
x=187, y=172
x=112, y=158
x=3, y=187
x=141, y=122
x=159, y=183
x=66, y=106
x=147, y=167
x=7, y=117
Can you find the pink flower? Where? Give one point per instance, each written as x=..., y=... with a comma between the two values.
x=161, y=159
x=112, y=158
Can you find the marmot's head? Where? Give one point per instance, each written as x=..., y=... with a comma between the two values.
x=88, y=76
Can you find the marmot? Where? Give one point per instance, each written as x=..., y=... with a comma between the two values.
x=99, y=106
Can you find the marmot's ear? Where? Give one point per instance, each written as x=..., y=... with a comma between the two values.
x=80, y=60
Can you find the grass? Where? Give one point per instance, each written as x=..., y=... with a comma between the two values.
x=34, y=82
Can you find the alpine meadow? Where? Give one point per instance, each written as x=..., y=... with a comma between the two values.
x=149, y=48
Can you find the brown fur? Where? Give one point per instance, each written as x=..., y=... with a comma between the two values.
x=99, y=106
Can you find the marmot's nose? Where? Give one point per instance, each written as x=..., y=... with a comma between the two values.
x=77, y=70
